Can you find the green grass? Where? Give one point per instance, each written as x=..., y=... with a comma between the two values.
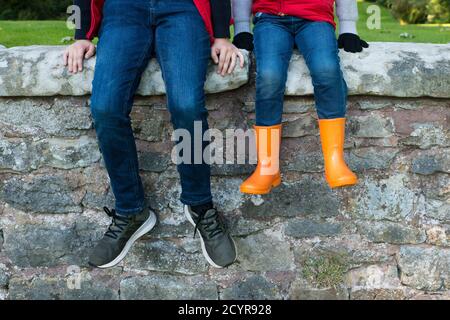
x=391, y=29
x=325, y=271
x=24, y=33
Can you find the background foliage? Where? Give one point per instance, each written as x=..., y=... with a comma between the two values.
x=409, y=11
x=43, y=22
x=33, y=10
x=418, y=11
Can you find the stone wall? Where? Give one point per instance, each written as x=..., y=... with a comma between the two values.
x=388, y=237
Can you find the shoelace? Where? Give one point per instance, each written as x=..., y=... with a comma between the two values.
x=212, y=224
x=117, y=225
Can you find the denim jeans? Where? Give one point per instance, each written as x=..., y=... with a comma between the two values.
x=131, y=31
x=274, y=38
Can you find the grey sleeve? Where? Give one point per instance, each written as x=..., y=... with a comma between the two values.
x=347, y=13
x=242, y=12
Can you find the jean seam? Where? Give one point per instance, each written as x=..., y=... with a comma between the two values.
x=128, y=98
x=131, y=211
x=174, y=115
x=196, y=203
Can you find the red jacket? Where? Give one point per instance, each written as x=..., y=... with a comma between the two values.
x=316, y=10
x=203, y=7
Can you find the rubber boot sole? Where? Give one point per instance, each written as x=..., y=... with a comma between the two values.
x=274, y=184
x=341, y=183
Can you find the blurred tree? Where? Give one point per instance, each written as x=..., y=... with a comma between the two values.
x=418, y=11
x=410, y=11
x=439, y=11
x=33, y=10
x=384, y=3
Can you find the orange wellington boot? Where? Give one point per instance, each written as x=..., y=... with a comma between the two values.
x=267, y=173
x=332, y=133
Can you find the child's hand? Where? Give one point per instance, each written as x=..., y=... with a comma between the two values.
x=76, y=53
x=224, y=53
x=244, y=40
x=351, y=42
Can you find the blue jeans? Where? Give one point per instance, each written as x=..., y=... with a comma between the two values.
x=131, y=30
x=274, y=38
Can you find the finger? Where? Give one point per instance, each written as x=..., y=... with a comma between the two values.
x=227, y=62
x=90, y=52
x=70, y=62
x=222, y=58
x=75, y=63
x=66, y=57
x=233, y=63
x=214, y=55
x=80, y=62
x=241, y=59
x=364, y=44
x=355, y=47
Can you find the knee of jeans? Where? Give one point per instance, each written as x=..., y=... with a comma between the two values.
x=270, y=79
x=110, y=99
x=186, y=110
x=108, y=104
x=107, y=114
x=326, y=73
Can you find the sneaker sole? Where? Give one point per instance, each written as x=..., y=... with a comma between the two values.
x=205, y=253
x=146, y=227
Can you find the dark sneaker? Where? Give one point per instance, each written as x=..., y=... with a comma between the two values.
x=218, y=247
x=120, y=237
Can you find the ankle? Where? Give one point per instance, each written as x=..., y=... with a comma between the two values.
x=201, y=209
